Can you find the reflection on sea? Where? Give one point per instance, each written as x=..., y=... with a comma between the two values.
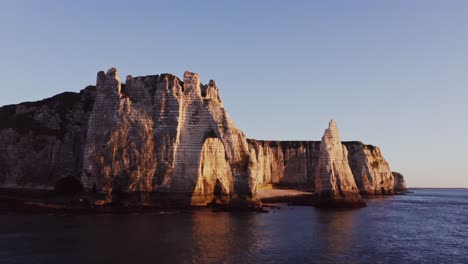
x=336, y=233
x=220, y=238
x=427, y=226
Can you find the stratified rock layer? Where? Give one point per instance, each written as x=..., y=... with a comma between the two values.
x=42, y=142
x=157, y=134
x=119, y=152
x=215, y=181
x=294, y=163
x=371, y=171
x=160, y=135
x=289, y=163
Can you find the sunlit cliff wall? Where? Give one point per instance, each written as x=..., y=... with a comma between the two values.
x=159, y=134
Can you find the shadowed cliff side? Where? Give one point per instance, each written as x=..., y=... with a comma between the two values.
x=42, y=142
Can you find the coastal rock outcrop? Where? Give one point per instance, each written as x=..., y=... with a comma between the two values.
x=371, y=171
x=294, y=163
x=42, y=142
x=119, y=152
x=215, y=181
x=202, y=117
x=160, y=137
x=156, y=135
x=334, y=181
x=400, y=184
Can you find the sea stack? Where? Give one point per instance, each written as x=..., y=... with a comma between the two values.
x=400, y=184
x=334, y=181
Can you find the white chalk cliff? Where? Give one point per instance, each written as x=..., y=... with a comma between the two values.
x=163, y=137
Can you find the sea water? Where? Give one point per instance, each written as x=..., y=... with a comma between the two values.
x=426, y=226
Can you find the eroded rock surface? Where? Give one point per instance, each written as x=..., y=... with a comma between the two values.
x=215, y=181
x=288, y=163
x=334, y=180
x=371, y=171
x=42, y=142
x=160, y=135
x=119, y=152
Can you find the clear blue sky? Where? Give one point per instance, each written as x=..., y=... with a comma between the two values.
x=391, y=73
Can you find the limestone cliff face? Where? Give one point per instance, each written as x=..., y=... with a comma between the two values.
x=334, y=179
x=294, y=163
x=371, y=171
x=159, y=134
x=202, y=116
x=119, y=153
x=215, y=181
x=42, y=142
x=285, y=163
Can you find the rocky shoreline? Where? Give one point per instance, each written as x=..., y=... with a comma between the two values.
x=49, y=202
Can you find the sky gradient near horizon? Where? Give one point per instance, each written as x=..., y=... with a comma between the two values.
x=391, y=73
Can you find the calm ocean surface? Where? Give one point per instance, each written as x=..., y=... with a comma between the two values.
x=427, y=226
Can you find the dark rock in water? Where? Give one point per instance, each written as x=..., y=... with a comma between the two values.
x=68, y=186
x=239, y=205
x=400, y=184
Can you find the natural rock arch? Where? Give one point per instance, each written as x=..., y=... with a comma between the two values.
x=214, y=183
